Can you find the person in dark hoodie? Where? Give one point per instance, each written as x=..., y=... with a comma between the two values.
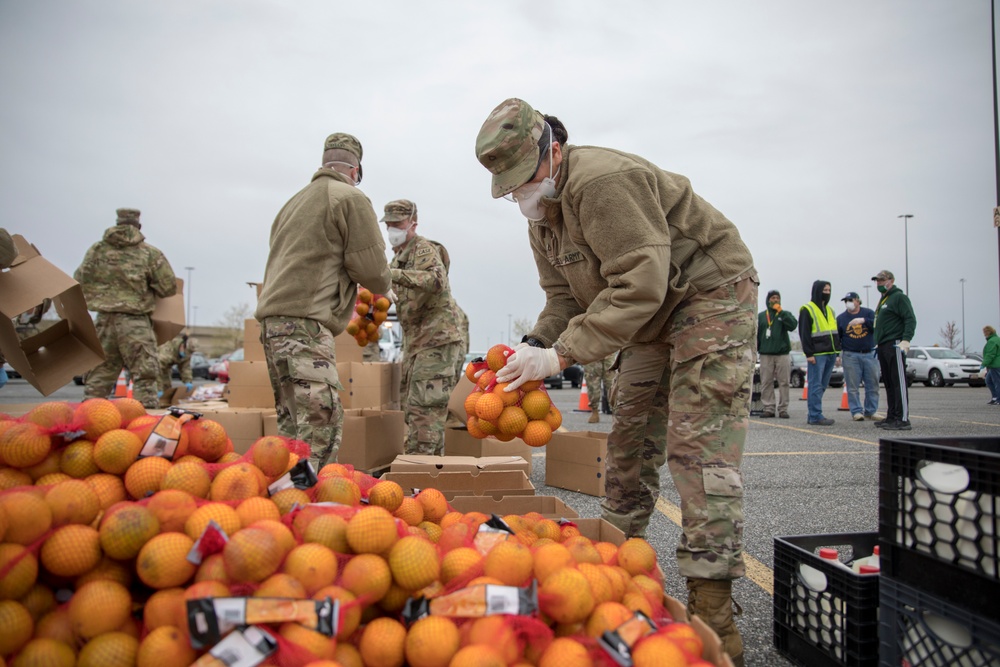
x=774, y=346
x=122, y=276
x=895, y=325
x=821, y=345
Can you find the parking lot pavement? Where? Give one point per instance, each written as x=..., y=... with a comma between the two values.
x=799, y=480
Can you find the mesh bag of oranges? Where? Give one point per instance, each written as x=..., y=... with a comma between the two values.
x=370, y=311
x=492, y=412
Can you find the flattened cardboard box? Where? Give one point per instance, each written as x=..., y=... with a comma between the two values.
x=492, y=483
x=549, y=507
x=168, y=315
x=51, y=358
x=372, y=438
x=458, y=442
x=429, y=463
x=249, y=385
x=253, y=349
x=457, y=415
x=366, y=385
x=575, y=460
x=347, y=349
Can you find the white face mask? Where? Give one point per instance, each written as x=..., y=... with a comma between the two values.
x=529, y=196
x=852, y=307
x=329, y=165
x=397, y=237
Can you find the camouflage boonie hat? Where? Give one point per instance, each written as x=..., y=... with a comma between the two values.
x=399, y=210
x=345, y=142
x=507, y=144
x=127, y=216
x=884, y=274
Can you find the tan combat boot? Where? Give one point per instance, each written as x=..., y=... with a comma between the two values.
x=595, y=416
x=712, y=600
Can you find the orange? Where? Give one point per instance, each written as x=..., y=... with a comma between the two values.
x=394, y=600
x=489, y=406
x=99, y=607
x=649, y=587
x=312, y=564
x=537, y=433
x=583, y=550
x=44, y=651
x=496, y=631
x=51, y=414
x=658, y=651
x=144, y=477
x=49, y=467
x=496, y=356
x=255, y=509
x=508, y=397
x=143, y=425
x=350, y=614
x=281, y=585
x=129, y=408
x=71, y=550
x=126, y=528
x=116, y=449
x=73, y=501
x=512, y=420
x=382, y=643
x=367, y=576
x=637, y=556
x=279, y=531
x=554, y=418
x=485, y=379
x=222, y=514
x=252, y=555
x=207, y=439
x=112, y=649
x=165, y=607
x=236, y=482
x=565, y=596
x=536, y=404
x=386, y=494
x=209, y=588
x=371, y=530
x=271, y=455
x=10, y=478
x=97, y=416
x=685, y=636
x=337, y=490
x=470, y=403
x=431, y=642
x=16, y=583
x=472, y=424
x=434, y=504
x=28, y=516
x=329, y=530
x=24, y=445
x=410, y=511
x=607, y=550
x=550, y=529
x=56, y=625
x=189, y=476
x=314, y=642
x=509, y=561
x=77, y=459
x=364, y=296
x=637, y=601
x=212, y=568
x=162, y=561
x=165, y=646
x=414, y=562
x=17, y=626
x=600, y=587
x=382, y=304
x=288, y=498
x=172, y=509
x=431, y=530
x=108, y=569
x=565, y=652
x=460, y=563
x=110, y=489
x=478, y=655
x=39, y=601
x=607, y=616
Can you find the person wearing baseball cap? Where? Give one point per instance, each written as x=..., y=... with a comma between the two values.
x=857, y=355
x=324, y=242
x=632, y=259
x=775, y=347
x=894, y=325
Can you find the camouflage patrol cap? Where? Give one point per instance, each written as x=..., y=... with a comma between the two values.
x=507, y=144
x=345, y=142
x=884, y=274
x=127, y=216
x=399, y=210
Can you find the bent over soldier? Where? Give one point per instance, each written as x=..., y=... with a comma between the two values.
x=176, y=351
x=324, y=242
x=433, y=345
x=122, y=276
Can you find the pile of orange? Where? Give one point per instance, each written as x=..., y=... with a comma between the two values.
x=491, y=411
x=370, y=311
x=119, y=533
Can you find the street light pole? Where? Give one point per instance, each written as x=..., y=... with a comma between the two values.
x=189, y=270
x=867, y=303
x=962, y=280
x=906, y=247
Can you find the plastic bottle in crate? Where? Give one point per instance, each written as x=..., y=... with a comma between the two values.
x=869, y=561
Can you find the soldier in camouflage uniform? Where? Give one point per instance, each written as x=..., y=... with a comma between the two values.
x=324, y=242
x=596, y=374
x=122, y=276
x=175, y=352
x=631, y=259
x=432, y=347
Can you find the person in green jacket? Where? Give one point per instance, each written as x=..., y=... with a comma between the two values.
x=895, y=325
x=991, y=363
x=774, y=346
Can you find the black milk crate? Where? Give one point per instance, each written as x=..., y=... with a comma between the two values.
x=830, y=620
x=939, y=499
x=918, y=629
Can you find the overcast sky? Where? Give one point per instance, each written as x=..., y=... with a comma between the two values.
x=810, y=125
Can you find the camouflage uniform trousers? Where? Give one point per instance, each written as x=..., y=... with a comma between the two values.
x=595, y=373
x=428, y=378
x=129, y=342
x=371, y=352
x=303, y=369
x=686, y=402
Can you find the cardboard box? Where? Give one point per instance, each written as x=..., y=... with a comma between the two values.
x=549, y=507
x=168, y=315
x=249, y=385
x=372, y=438
x=51, y=358
x=600, y=530
x=458, y=442
x=429, y=463
x=253, y=349
x=270, y=423
x=347, y=349
x=366, y=385
x=175, y=395
x=575, y=460
x=456, y=402
x=492, y=483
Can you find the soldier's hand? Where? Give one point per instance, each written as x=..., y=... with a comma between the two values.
x=527, y=364
x=189, y=386
x=393, y=299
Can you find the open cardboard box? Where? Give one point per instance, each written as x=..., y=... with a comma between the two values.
x=575, y=460
x=492, y=483
x=430, y=463
x=51, y=358
x=549, y=507
x=458, y=442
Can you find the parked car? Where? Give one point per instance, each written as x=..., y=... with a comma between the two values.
x=800, y=368
x=11, y=373
x=943, y=367
x=199, y=367
x=221, y=369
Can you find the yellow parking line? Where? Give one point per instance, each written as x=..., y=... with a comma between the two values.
x=815, y=432
x=757, y=572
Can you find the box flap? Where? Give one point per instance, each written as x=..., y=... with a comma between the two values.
x=493, y=483
x=549, y=507
x=429, y=462
x=168, y=315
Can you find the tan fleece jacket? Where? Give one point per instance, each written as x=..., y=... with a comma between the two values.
x=623, y=243
x=324, y=242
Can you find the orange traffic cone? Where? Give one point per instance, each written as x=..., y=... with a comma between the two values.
x=805, y=389
x=843, y=400
x=122, y=388
x=129, y=393
x=584, y=404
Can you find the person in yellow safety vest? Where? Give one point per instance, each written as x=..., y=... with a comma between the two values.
x=821, y=345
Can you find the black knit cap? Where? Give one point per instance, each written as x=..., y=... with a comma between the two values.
x=773, y=292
